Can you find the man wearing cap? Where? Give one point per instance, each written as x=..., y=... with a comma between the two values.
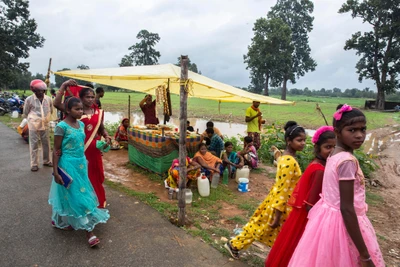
x=37, y=109
x=254, y=121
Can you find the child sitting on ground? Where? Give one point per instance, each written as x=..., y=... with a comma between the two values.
x=249, y=153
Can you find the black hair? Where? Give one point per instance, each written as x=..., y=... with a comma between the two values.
x=293, y=130
x=201, y=145
x=210, y=130
x=325, y=136
x=69, y=102
x=52, y=91
x=89, y=85
x=229, y=143
x=348, y=118
x=99, y=90
x=84, y=91
x=188, y=122
x=248, y=139
x=210, y=124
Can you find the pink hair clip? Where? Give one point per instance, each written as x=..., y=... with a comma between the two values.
x=320, y=131
x=338, y=114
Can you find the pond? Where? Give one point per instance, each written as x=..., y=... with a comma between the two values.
x=227, y=128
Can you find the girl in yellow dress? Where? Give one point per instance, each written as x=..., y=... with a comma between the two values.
x=267, y=220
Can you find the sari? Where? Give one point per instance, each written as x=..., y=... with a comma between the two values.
x=210, y=160
x=93, y=155
x=172, y=180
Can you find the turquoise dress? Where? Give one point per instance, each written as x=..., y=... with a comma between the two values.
x=77, y=205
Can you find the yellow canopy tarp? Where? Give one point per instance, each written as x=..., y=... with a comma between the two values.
x=146, y=78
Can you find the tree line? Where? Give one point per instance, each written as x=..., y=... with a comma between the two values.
x=279, y=51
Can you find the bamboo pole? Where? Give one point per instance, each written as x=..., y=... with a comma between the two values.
x=47, y=80
x=129, y=109
x=182, y=139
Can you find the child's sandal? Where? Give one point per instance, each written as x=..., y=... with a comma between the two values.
x=234, y=252
x=93, y=241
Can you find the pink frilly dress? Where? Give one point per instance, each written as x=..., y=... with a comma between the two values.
x=325, y=241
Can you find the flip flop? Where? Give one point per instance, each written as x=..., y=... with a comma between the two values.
x=49, y=164
x=93, y=241
x=234, y=253
x=34, y=168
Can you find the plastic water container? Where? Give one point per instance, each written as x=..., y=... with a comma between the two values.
x=188, y=195
x=243, y=185
x=225, y=179
x=215, y=180
x=203, y=185
x=14, y=114
x=242, y=173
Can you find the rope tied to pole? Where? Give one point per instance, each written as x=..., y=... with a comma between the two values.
x=188, y=85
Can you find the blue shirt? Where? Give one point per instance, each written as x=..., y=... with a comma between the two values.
x=216, y=145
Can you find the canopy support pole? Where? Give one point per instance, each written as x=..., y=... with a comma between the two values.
x=182, y=140
x=129, y=109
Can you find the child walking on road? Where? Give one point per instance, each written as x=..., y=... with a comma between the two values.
x=73, y=207
x=267, y=220
x=338, y=232
x=305, y=195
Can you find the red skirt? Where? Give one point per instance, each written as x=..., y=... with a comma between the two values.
x=96, y=172
x=288, y=238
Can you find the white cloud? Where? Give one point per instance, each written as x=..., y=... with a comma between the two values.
x=215, y=35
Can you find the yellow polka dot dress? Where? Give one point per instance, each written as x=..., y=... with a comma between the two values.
x=288, y=173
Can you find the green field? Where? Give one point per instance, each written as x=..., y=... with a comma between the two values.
x=303, y=111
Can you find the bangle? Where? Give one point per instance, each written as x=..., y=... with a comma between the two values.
x=365, y=260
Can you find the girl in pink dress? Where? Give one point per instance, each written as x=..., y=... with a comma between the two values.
x=338, y=232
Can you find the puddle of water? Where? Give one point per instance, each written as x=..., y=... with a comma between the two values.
x=229, y=129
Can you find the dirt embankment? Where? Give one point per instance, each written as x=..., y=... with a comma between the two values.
x=384, y=209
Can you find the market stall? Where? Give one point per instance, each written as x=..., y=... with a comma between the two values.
x=150, y=149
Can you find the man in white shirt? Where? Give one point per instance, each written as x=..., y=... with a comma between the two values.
x=37, y=109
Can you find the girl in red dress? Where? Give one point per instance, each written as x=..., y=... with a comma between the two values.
x=305, y=195
x=94, y=129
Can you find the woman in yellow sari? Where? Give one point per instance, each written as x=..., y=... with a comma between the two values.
x=193, y=171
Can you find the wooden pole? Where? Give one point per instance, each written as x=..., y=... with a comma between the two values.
x=47, y=80
x=129, y=109
x=182, y=139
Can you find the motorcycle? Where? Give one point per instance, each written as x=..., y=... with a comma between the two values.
x=15, y=103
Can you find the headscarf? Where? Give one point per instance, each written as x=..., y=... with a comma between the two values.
x=38, y=85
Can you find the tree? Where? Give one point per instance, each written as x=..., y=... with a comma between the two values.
x=191, y=66
x=379, y=48
x=83, y=67
x=143, y=53
x=17, y=36
x=268, y=54
x=61, y=79
x=296, y=14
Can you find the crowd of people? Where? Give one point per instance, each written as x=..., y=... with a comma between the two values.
x=315, y=218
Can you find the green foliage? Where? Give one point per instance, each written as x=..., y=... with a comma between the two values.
x=191, y=66
x=111, y=127
x=17, y=36
x=379, y=48
x=373, y=199
x=269, y=53
x=236, y=142
x=367, y=164
x=143, y=53
x=297, y=15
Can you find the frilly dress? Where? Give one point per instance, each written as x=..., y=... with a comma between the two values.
x=77, y=205
x=325, y=241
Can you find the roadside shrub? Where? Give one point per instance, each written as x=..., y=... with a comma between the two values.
x=111, y=127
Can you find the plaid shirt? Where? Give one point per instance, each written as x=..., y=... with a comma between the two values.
x=217, y=145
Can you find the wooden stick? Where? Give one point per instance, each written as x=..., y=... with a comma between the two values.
x=129, y=109
x=320, y=111
x=182, y=139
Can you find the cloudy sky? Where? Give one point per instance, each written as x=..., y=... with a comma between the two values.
x=215, y=35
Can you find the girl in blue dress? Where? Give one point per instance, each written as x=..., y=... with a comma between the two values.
x=74, y=207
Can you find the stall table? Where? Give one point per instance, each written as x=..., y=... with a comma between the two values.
x=156, y=152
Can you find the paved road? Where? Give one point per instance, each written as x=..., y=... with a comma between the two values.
x=135, y=235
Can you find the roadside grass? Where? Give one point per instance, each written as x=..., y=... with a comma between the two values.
x=373, y=199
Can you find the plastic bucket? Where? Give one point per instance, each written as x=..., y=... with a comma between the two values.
x=243, y=185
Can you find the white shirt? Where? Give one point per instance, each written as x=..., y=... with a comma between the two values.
x=38, y=113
